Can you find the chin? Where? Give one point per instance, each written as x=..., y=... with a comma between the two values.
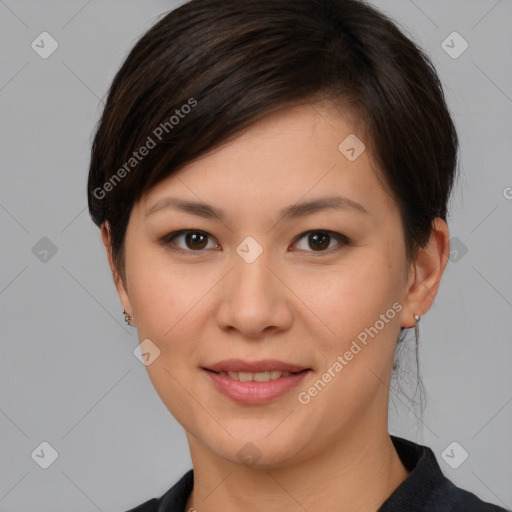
x=255, y=450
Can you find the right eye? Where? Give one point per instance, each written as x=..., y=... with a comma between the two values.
x=194, y=240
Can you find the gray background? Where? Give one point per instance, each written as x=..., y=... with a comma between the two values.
x=68, y=375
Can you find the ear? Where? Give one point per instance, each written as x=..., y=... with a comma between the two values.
x=118, y=279
x=425, y=274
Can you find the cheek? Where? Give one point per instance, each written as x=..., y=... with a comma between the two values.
x=166, y=301
x=161, y=293
x=357, y=337
x=355, y=343
x=350, y=297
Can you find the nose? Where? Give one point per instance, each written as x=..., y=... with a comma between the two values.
x=253, y=299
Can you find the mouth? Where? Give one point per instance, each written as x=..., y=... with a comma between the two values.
x=255, y=382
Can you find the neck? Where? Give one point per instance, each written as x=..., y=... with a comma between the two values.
x=356, y=475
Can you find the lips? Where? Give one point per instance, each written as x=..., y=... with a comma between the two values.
x=266, y=365
x=255, y=383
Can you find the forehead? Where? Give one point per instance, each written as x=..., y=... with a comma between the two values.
x=295, y=153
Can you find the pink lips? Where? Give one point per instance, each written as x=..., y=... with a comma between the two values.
x=252, y=392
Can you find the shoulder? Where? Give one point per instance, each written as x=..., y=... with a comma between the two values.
x=427, y=489
x=174, y=500
x=449, y=497
x=149, y=506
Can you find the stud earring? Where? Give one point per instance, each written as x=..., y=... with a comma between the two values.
x=127, y=318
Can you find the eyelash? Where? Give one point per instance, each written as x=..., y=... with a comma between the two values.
x=168, y=240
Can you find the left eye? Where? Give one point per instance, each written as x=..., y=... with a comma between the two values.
x=320, y=240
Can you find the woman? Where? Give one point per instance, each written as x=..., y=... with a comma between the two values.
x=271, y=181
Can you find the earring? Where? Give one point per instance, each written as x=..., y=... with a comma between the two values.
x=127, y=318
x=416, y=327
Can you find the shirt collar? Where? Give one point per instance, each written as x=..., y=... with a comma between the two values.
x=425, y=475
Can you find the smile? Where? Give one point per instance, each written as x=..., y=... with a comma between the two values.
x=255, y=388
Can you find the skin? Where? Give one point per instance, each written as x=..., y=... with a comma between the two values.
x=296, y=303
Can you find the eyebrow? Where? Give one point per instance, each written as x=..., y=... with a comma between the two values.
x=293, y=211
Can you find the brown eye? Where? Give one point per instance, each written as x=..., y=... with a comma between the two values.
x=320, y=241
x=194, y=241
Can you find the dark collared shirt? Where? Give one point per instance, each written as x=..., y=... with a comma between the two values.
x=425, y=489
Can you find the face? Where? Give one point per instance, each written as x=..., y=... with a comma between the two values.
x=323, y=288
